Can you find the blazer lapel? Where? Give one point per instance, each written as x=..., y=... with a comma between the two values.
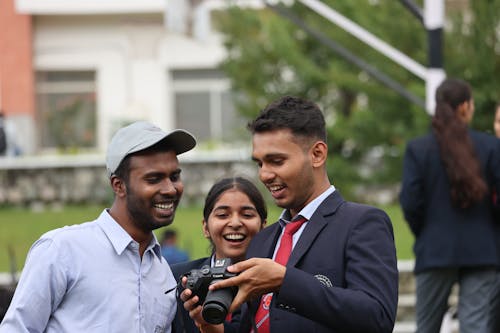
x=314, y=226
x=266, y=248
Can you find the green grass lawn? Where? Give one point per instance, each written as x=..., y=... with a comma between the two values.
x=19, y=228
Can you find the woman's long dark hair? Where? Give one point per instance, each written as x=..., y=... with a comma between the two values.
x=467, y=186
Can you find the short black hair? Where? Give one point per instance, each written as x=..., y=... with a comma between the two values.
x=303, y=117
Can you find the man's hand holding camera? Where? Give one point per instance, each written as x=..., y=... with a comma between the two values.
x=215, y=302
x=208, y=308
x=255, y=277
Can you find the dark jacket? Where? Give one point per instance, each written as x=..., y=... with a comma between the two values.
x=341, y=276
x=447, y=236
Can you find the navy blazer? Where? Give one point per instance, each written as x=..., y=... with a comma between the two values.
x=341, y=276
x=182, y=322
x=446, y=236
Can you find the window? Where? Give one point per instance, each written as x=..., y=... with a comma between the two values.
x=66, y=109
x=203, y=105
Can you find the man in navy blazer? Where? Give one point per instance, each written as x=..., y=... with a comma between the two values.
x=342, y=273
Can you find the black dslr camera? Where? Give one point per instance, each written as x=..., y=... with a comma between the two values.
x=215, y=303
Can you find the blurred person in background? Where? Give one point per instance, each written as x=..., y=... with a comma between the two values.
x=496, y=121
x=234, y=212
x=108, y=275
x=449, y=177
x=170, y=249
x=496, y=295
x=8, y=137
x=3, y=135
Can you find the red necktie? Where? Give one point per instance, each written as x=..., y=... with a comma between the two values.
x=284, y=250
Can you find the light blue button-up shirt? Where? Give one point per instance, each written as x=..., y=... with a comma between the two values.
x=90, y=278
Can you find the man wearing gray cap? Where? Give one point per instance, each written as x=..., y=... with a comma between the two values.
x=108, y=275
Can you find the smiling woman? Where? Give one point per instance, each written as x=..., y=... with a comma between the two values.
x=234, y=212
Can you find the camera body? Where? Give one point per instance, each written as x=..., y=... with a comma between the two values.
x=215, y=303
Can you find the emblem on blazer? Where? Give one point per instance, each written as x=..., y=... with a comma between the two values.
x=266, y=301
x=324, y=280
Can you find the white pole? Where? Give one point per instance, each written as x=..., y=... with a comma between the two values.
x=434, y=21
x=367, y=37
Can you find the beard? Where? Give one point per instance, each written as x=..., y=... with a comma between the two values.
x=141, y=212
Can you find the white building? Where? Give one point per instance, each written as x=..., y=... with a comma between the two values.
x=99, y=64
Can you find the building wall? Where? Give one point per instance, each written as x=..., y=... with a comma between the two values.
x=131, y=49
x=16, y=72
x=132, y=55
x=15, y=61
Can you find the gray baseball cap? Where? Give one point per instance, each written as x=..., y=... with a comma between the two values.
x=141, y=135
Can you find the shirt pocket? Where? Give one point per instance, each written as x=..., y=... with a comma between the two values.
x=163, y=313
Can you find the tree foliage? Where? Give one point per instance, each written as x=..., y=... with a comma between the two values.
x=472, y=52
x=368, y=123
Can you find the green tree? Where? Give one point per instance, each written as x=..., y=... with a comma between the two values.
x=368, y=124
x=472, y=52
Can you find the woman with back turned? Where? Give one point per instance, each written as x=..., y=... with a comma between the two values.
x=449, y=177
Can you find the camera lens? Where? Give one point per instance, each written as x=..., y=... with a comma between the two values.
x=214, y=313
x=217, y=304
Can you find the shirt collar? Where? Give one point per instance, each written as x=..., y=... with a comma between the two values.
x=155, y=245
x=119, y=238
x=309, y=209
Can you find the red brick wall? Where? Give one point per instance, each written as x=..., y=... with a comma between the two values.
x=16, y=69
